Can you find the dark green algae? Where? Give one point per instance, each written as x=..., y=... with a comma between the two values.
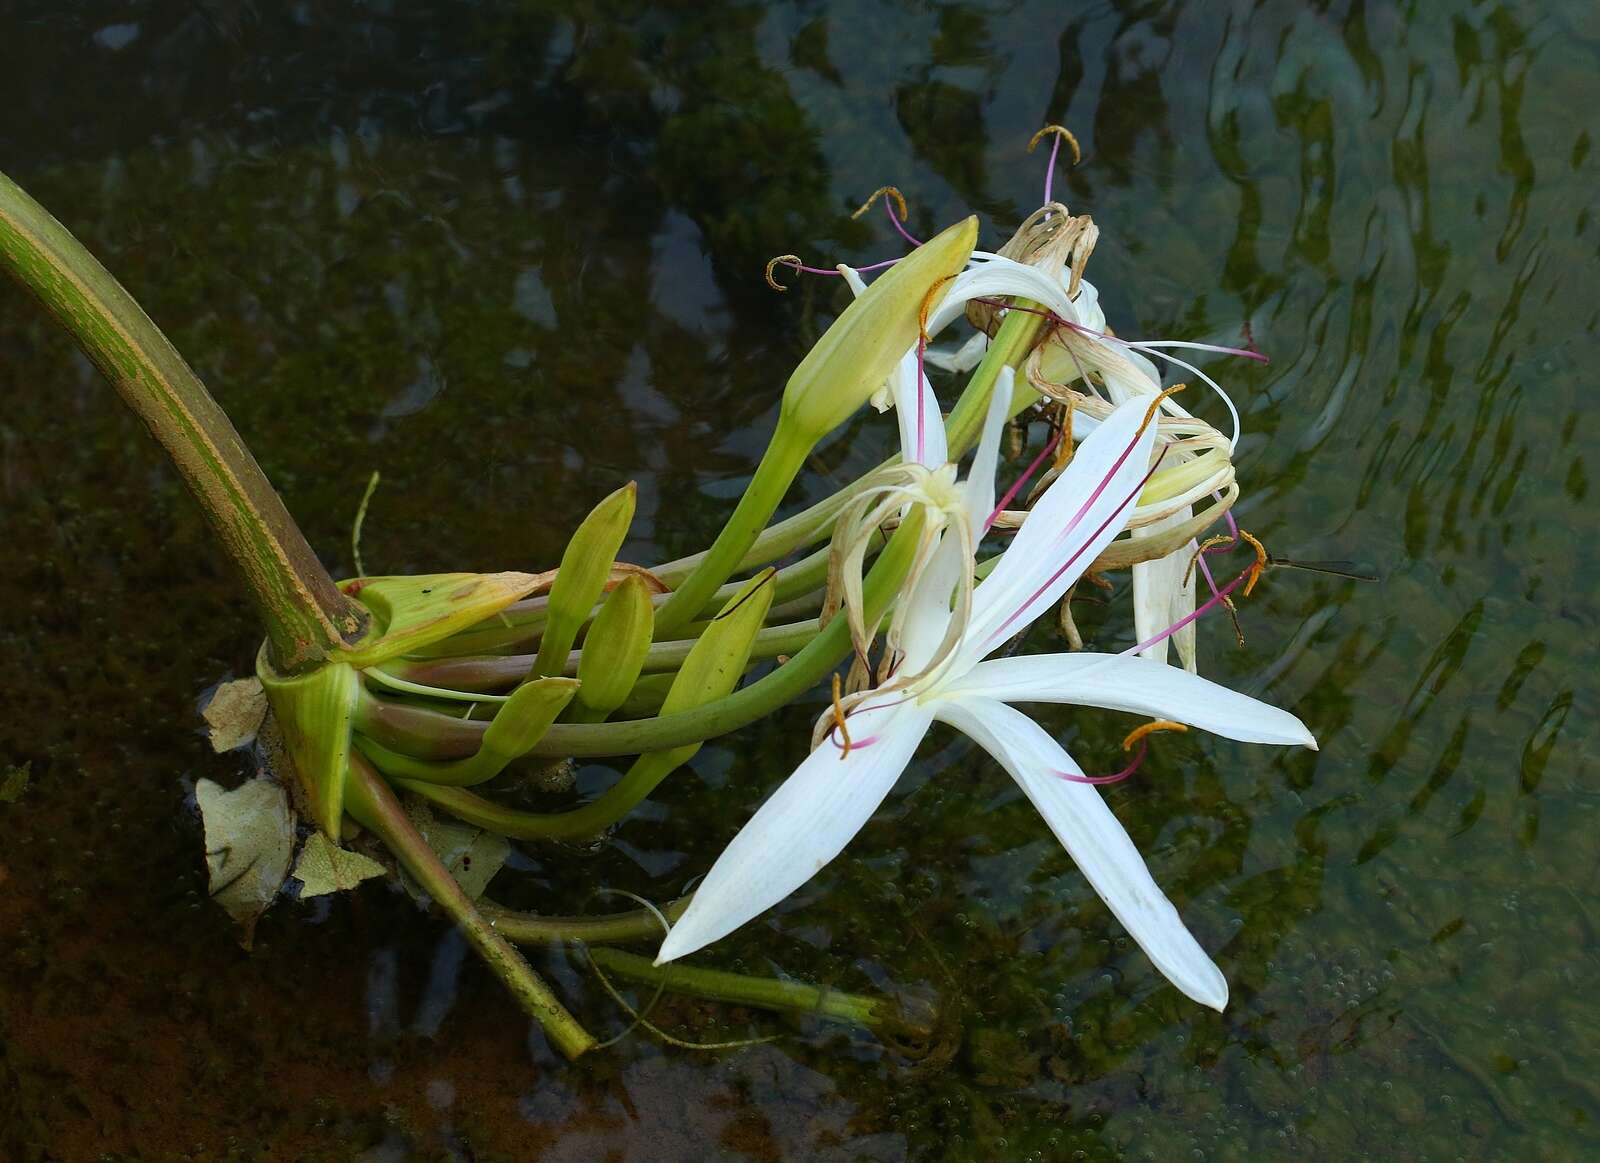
x=511, y=256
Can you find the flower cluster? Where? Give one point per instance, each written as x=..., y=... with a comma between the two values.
x=1141, y=465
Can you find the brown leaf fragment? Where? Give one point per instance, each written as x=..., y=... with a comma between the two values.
x=234, y=713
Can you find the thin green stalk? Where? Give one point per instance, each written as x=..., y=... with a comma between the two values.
x=780, y=464
x=373, y=805
x=428, y=734
x=641, y=778
x=306, y=617
x=459, y=678
x=1019, y=333
x=617, y=929
x=873, y=1013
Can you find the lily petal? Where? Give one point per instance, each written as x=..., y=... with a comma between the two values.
x=1097, y=842
x=806, y=823
x=1119, y=683
x=992, y=276
x=1079, y=514
x=922, y=436
x=961, y=359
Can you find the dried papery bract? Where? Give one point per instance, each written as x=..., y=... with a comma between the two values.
x=1051, y=239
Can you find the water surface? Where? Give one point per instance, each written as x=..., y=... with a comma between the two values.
x=511, y=255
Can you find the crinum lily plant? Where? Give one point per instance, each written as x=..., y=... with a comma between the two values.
x=404, y=701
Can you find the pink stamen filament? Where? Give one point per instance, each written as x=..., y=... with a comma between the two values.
x=855, y=744
x=1022, y=480
x=888, y=204
x=803, y=269
x=1050, y=172
x=1211, y=603
x=833, y=735
x=1001, y=630
x=1114, y=777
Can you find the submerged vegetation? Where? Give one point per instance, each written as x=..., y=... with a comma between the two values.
x=396, y=697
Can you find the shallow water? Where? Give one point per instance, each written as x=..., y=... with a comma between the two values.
x=511, y=255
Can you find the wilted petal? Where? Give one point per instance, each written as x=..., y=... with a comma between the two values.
x=806, y=823
x=1097, y=842
x=1163, y=594
x=1119, y=683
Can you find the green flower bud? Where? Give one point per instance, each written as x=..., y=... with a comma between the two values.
x=614, y=648
x=855, y=356
x=716, y=661
x=585, y=566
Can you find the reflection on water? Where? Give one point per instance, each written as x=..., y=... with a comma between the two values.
x=513, y=253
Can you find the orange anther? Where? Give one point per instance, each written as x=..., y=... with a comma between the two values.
x=1150, y=728
x=1156, y=404
x=838, y=716
x=792, y=261
x=885, y=192
x=1062, y=132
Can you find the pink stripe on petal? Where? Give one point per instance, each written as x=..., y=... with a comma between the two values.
x=1000, y=631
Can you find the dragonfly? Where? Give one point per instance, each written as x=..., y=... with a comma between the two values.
x=1344, y=569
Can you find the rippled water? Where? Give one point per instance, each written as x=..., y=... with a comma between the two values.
x=511, y=254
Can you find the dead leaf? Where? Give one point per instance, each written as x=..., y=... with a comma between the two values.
x=472, y=855
x=249, y=839
x=324, y=867
x=235, y=712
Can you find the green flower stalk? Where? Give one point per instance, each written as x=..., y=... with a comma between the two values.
x=520, y=722
x=374, y=807
x=873, y=1013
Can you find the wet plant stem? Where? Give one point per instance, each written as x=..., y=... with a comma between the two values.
x=306, y=617
x=374, y=806
x=617, y=929
x=493, y=672
x=780, y=464
x=641, y=778
x=877, y=1014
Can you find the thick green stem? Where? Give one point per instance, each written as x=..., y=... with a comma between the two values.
x=780, y=464
x=373, y=805
x=306, y=616
x=872, y=1013
x=617, y=929
x=430, y=735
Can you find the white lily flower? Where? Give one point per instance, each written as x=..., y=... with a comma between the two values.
x=815, y=812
